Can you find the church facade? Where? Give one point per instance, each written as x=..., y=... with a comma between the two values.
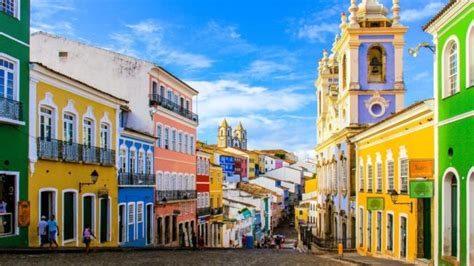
x=226, y=138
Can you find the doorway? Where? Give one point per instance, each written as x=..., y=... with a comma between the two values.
x=122, y=223
x=104, y=220
x=424, y=228
x=450, y=215
x=403, y=237
x=353, y=232
x=369, y=231
x=48, y=203
x=149, y=221
x=159, y=230
x=379, y=231
x=344, y=235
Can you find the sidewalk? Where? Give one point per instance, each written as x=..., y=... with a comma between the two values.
x=365, y=260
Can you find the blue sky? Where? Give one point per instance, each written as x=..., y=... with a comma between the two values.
x=251, y=60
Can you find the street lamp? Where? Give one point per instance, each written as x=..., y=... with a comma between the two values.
x=94, y=178
x=414, y=51
x=394, y=196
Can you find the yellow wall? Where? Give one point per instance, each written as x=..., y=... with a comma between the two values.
x=310, y=185
x=253, y=163
x=60, y=176
x=301, y=213
x=215, y=190
x=417, y=136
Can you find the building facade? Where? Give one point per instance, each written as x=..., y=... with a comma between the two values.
x=217, y=218
x=395, y=203
x=72, y=158
x=203, y=196
x=359, y=83
x=136, y=186
x=175, y=158
x=14, y=108
x=453, y=35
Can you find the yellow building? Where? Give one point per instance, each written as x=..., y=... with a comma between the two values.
x=310, y=184
x=217, y=217
x=395, y=186
x=301, y=214
x=72, y=175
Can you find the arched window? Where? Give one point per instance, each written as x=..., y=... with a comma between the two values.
x=376, y=65
x=451, y=67
x=470, y=56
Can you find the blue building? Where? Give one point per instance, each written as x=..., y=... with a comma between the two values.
x=228, y=167
x=136, y=189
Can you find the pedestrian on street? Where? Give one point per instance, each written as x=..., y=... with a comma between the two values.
x=278, y=243
x=272, y=243
x=194, y=240
x=43, y=230
x=53, y=231
x=244, y=240
x=86, y=235
x=201, y=242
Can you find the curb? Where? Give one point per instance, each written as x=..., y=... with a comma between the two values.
x=27, y=251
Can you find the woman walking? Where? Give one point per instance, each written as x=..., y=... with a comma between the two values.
x=87, y=234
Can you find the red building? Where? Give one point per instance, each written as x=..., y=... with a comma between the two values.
x=202, y=189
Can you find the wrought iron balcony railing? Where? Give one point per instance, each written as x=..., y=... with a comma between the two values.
x=162, y=196
x=204, y=211
x=172, y=106
x=217, y=211
x=11, y=109
x=134, y=179
x=53, y=149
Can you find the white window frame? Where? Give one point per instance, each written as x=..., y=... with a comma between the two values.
x=173, y=139
x=131, y=213
x=180, y=141
x=124, y=159
x=16, y=9
x=402, y=156
x=149, y=162
x=378, y=173
x=94, y=223
x=105, y=142
x=445, y=57
x=166, y=138
x=159, y=135
x=51, y=117
x=370, y=175
x=140, y=217
x=132, y=165
x=159, y=181
x=191, y=145
x=69, y=122
x=390, y=174
x=387, y=231
x=16, y=75
x=75, y=219
x=470, y=56
x=361, y=175
x=186, y=143
x=85, y=128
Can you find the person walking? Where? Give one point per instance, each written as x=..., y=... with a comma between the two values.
x=278, y=243
x=86, y=235
x=194, y=240
x=53, y=231
x=43, y=230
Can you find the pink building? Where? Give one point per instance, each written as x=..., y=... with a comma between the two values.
x=175, y=159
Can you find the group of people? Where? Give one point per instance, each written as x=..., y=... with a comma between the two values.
x=273, y=242
x=48, y=232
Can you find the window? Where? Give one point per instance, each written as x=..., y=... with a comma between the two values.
x=470, y=59
x=8, y=188
x=369, y=177
x=158, y=136
x=343, y=174
x=154, y=88
x=334, y=177
x=140, y=212
x=68, y=128
x=141, y=162
x=191, y=145
x=180, y=142
x=173, y=140
x=123, y=160
x=131, y=213
x=390, y=175
x=167, y=138
x=149, y=162
x=390, y=231
x=170, y=95
x=159, y=182
x=104, y=136
x=185, y=143
x=7, y=77
x=404, y=175
x=133, y=160
x=199, y=166
x=9, y=7
x=453, y=68
x=46, y=123
x=379, y=176
x=88, y=132
x=361, y=176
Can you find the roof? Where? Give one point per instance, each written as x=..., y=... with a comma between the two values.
x=215, y=165
x=439, y=14
x=239, y=202
x=253, y=189
x=80, y=82
x=178, y=79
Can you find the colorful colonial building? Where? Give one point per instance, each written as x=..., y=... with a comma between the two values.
x=73, y=140
x=203, y=195
x=453, y=35
x=14, y=108
x=136, y=186
x=359, y=83
x=395, y=171
x=215, y=189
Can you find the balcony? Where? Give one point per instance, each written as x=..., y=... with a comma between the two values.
x=134, y=179
x=217, y=211
x=204, y=211
x=162, y=196
x=11, y=110
x=53, y=149
x=174, y=107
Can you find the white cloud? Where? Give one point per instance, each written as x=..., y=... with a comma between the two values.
x=52, y=16
x=147, y=26
x=317, y=32
x=422, y=76
x=426, y=11
x=264, y=68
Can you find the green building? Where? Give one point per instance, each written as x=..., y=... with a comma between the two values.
x=14, y=102
x=453, y=34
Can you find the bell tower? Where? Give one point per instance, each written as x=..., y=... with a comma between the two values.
x=224, y=136
x=240, y=134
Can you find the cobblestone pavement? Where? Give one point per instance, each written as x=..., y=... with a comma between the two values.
x=180, y=257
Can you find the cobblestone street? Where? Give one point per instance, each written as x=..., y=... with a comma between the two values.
x=182, y=257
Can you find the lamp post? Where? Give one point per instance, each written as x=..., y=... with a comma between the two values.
x=414, y=51
x=394, y=196
x=94, y=178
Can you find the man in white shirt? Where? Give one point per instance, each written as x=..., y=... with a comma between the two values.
x=43, y=230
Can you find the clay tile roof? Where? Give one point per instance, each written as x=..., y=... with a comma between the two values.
x=440, y=13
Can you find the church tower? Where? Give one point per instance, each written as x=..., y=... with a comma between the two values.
x=240, y=137
x=224, y=135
